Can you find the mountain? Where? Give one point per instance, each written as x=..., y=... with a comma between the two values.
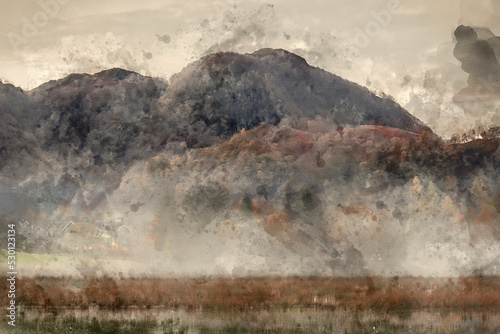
x=259, y=162
x=225, y=92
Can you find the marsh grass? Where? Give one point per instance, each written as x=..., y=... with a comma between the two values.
x=269, y=305
x=291, y=321
x=71, y=324
x=402, y=295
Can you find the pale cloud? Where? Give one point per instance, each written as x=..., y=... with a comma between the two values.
x=321, y=29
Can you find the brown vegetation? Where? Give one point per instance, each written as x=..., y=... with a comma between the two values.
x=375, y=293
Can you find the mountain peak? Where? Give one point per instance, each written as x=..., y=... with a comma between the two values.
x=279, y=53
x=115, y=73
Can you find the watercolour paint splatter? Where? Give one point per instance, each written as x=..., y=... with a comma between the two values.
x=229, y=167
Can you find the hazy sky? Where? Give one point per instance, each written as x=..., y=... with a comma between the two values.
x=48, y=39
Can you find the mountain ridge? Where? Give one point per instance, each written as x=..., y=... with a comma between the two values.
x=242, y=90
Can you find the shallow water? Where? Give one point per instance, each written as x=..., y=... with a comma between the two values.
x=296, y=320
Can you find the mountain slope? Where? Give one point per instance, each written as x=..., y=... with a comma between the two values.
x=18, y=146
